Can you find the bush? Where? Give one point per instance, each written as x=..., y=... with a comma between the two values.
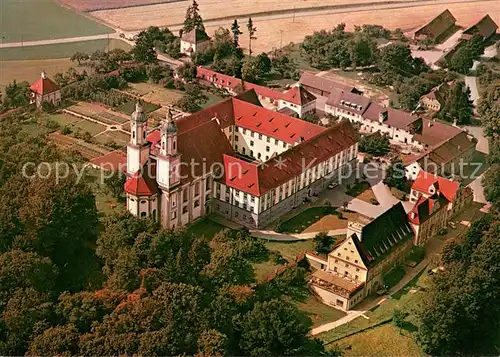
x=66, y=130
x=52, y=124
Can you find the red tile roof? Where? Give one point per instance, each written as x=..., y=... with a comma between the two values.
x=258, y=179
x=426, y=207
x=274, y=124
x=44, y=86
x=232, y=83
x=142, y=183
x=241, y=175
x=298, y=95
x=424, y=180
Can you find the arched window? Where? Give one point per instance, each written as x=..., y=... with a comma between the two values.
x=174, y=145
x=154, y=214
x=163, y=145
x=144, y=134
x=143, y=214
x=133, y=134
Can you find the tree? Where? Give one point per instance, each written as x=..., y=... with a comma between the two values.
x=274, y=328
x=212, y=343
x=16, y=95
x=235, y=29
x=458, y=105
x=284, y=64
x=192, y=99
x=251, y=35
x=143, y=50
x=251, y=71
x=193, y=19
x=55, y=341
x=115, y=183
x=264, y=64
x=375, y=144
x=458, y=316
x=491, y=186
x=323, y=242
x=223, y=42
x=398, y=319
x=79, y=57
x=395, y=176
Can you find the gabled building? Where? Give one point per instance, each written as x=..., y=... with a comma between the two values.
x=194, y=41
x=299, y=100
x=321, y=86
x=436, y=27
x=355, y=268
x=435, y=98
x=235, y=158
x=45, y=90
x=485, y=27
x=372, y=117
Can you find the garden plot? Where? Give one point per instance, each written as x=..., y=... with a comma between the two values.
x=117, y=137
x=155, y=94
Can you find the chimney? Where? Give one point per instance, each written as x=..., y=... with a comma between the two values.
x=44, y=75
x=382, y=116
x=455, y=123
x=430, y=123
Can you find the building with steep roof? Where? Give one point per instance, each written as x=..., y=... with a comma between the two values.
x=485, y=27
x=299, y=100
x=355, y=268
x=235, y=158
x=324, y=87
x=194, y=41
x=45, y=90
x=399, y=125
x=435, y=98
x=436, y=27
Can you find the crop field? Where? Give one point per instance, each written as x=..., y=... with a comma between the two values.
x=34, y=20
x=30, y=70
x=93, y=5
x=155, y=93
x=60, y=50
x=274, y=30
x=118, y=137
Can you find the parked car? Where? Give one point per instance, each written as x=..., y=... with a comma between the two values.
x=452, y=225
x=332, y=186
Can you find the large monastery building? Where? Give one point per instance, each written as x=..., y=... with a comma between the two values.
x=238, y=159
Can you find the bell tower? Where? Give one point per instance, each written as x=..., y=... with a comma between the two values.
x=137, y=147
x=168, y=160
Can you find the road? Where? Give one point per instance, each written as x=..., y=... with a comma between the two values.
x=470, y=81
x=60, y=40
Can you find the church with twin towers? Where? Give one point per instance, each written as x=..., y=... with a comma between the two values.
x=235, y=159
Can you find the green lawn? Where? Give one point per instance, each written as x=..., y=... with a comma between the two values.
x=289, y=250
x=304, y=219
x=129, y=107
x=357, y=188
x=205, y=227
x=60, y=50
x=76, y=124
x=213, y=98
x=319, y=312
x=403, y=300
x=33, y=20
x=385, y=340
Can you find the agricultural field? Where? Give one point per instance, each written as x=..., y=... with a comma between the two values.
x=94, y=5
x=30, y=70
x=99, y=113
x=44, y=20
x=60, y=50
x=154, y=93
x=117, y=137
x=274, y=30
x=129, y=107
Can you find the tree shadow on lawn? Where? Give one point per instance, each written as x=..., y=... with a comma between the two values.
x=408, y=326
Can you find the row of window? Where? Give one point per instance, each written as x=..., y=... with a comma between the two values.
x=253, y=134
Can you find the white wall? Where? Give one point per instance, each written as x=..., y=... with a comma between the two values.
x=250, y=142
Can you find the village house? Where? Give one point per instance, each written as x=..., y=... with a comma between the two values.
x=436, y=199
x=194, y=41
x=235, y=158
x=400, y=126
x=45, y=90
x=447, y=150
x=435, y=98
x=435, y=28
x=356, y=267
x=297, y=101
